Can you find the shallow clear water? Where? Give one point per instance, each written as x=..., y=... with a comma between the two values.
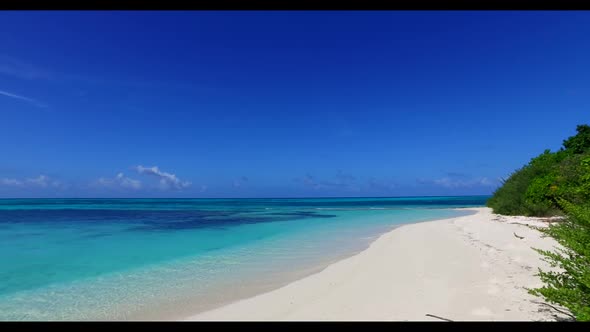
x=92, y=259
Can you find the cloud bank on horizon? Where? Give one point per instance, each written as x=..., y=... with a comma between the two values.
x=41, y=181
x=453, y=183
x=119, y=181
x=166, y=180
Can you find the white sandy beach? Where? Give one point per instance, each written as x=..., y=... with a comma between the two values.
x=462, y=269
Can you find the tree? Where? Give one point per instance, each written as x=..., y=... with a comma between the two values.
x=579, y=142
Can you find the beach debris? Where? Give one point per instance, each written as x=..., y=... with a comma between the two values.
x=445, y=319
x=562, y=311
x=520, y=237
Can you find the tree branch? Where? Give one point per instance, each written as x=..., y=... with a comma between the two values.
x=556, y=309
x=445, y=319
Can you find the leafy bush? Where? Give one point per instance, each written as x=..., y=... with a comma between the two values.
x=535, y=189
x=528, y=191
x=569, y=287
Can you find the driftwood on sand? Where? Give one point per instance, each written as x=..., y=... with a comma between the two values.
x=445, y=319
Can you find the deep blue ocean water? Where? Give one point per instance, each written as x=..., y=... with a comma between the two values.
x=97, y=259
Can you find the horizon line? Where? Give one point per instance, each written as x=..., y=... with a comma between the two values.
x=321, y=197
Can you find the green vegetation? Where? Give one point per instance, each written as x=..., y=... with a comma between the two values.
x=536, y=188
x=557, y=183
x=570, y=287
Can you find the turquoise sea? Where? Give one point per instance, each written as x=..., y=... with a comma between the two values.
x=119, y=259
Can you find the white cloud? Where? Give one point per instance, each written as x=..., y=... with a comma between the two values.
x=461, y=183
x=11, y=182
x=128, y=182
x=485, y=182
x=167, y=180
x=42, y=181
x=15, y=96
x=120, y=181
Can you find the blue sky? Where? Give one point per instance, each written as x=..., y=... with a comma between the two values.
x=284, y=104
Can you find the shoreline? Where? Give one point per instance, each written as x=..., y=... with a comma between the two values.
x=477, y=272
x=179, y=310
